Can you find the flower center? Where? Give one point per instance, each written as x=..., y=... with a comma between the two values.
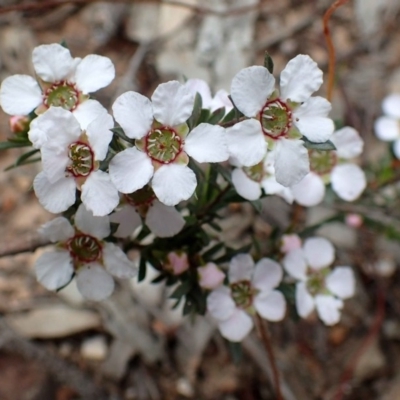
x=62, y=94
x=163, y=145
x=84, y=248
x=316, y=281
x=81, y=156
x=322, y=162
x=276, y=119
x=242, y=293
x=256, y=172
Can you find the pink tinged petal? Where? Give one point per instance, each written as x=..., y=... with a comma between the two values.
x=348, y=181
x=172, y=103
x=52, y=62
x=128, y=220
x=54, y=163
x=315, y=106
x=305, y=303
x=237, y=327
x=300, y=78
x=88, y=111
x=99, y=194
x=241, y=268
x=54, y=269
x=117, y=263
x=174, y=183
x=201, y=87
x=246, y=187
x=348, y=142
x=130, y=170
x=328, y=308
x=164, y=221
x=251, y=88
x=20, y=94
x=134, y=113
x=210, y=276
x=391, y=105
x=295, y=264
x=267, y=275
x=94, y=282
x=246, y=142
x=57, y=230
x=318, y=252
x=86, y=222
x=290, y=242
x=207, y=143
x=341, y=282
x=271, y=306
x=396, y=148
x=54, y=197
x=316, y=129
x=291, y=162
x=220, y=303
x=100, y=135
x=93, y=73
x=387, y=128
x=310, y=191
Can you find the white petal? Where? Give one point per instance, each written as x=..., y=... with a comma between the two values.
x=315, y=106
x=220, y=100
x=55, y=197
x=295, y=264
x=396, y=148
x=246, y=187
x=52, y=62
x=267, y=275
x=130, y=170
x=164, y=221
x=57, y=230
x=220, y=303
x=54, y=269
x=241, y=268
x=210, y=276
x=251, y=88
x=54, y=163
x=128, y=220
x=271, y=306
x=341, y=282
x=36, y=135
x=100, y=135
x=93, y=73
x=304, y=301
x=328, y=308
x=291, y=162
x=117, y=263
x=20, y=94
x=174, y=183
x=207, y=143
x=348, y=181
x=391, y=105
x=94, y=282
x=271, y=186
x=387, y=128
x=99, y=194
x=348, y=142
x=201, y=87
x=318, y=252
x=316, y=129
x=172, y=103
x=86, y=222
x=134, y=113
x=310, y=191
x=300, y=78
x=237, y=327
x=88, y=111
x=246, y=142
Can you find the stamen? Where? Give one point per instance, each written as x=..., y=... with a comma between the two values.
x=82, y=159
x=276, y=119
x=84, y=248
x=62, y=94
x=163, y=145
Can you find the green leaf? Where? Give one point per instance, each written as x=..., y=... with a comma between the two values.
x=24, y=159
x=142, y=269
x=194, y=118
x=326, y=146
x=204, y=116
x=257, y=204
x=229, y=117
x=181, y=290
x=235, y=348
x=121, y=134
x=214, y=249
x=268, y=63
x=11, y=144
x=216, y=116
x=63, y=43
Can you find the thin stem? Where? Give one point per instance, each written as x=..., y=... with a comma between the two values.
x=268, y=347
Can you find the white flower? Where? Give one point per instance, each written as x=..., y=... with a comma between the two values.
x=70, y=159
x=162, y=220
x=163, y=144
x=319, y=287
x=81, y=250
x=347, y=179
x=63, y=82
x=250, y=287
x=282, y=119
x=387, y=127
x=210, y=276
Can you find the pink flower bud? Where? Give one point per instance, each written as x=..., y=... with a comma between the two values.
x=177, y=262
x=19, y=123
x=354, y=220
x=290, y=242
x=210, y=276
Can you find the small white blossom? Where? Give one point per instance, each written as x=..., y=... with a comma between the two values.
x=81, y=250
x=210, y=276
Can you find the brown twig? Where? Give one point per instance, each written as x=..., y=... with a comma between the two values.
x=267, y=344
x=331, y=47
x=26, y=244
